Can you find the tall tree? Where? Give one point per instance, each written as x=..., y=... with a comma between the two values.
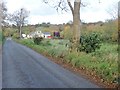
x=0, y=15
x=76, y=17
x=19, y=18
x=3, y=14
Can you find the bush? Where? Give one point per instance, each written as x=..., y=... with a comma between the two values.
x=37, y=40
x=90, y=43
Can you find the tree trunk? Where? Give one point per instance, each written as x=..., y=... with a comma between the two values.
x=76, y=23
x=21, y=22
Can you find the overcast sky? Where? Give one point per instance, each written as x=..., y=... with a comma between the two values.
x=41, y=12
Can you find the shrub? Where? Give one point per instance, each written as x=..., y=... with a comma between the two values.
x=90, y=43
x=37, y=40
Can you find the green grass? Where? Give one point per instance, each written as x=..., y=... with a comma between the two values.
x=107, y=52
x=0, y=37
x=103, y=61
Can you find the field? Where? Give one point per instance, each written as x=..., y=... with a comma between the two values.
x=102, y=62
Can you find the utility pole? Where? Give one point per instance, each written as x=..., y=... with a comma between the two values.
x=21, y=21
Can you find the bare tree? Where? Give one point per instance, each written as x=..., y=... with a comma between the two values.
x=75, y=9
x=76, y=17
x=19, y=18
x=3, y=14
x=0, y=15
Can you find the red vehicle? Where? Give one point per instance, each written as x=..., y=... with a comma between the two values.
x=49, y=37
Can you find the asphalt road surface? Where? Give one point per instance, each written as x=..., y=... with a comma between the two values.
x=24, y=68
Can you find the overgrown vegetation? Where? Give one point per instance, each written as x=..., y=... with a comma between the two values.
x=1, y=36
x=89, y=43
x=108, y=31
x=37, y=40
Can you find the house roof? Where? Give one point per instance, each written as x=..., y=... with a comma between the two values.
x=47, y=33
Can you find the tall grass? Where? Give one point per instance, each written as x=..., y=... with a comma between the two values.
x=0, y=37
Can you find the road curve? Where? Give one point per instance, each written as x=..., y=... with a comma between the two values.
x=24, y=68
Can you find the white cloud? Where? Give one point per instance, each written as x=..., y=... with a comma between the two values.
x=93, y=16
x=41, y=12
x=54, y=19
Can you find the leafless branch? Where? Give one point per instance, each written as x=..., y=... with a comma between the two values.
x=60, y=5
x=70, y=5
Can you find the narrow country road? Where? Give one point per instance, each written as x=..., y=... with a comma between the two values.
x=24, y=68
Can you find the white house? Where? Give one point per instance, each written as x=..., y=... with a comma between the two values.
x=23, y=35
x=39, y=34
x=47, y=35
